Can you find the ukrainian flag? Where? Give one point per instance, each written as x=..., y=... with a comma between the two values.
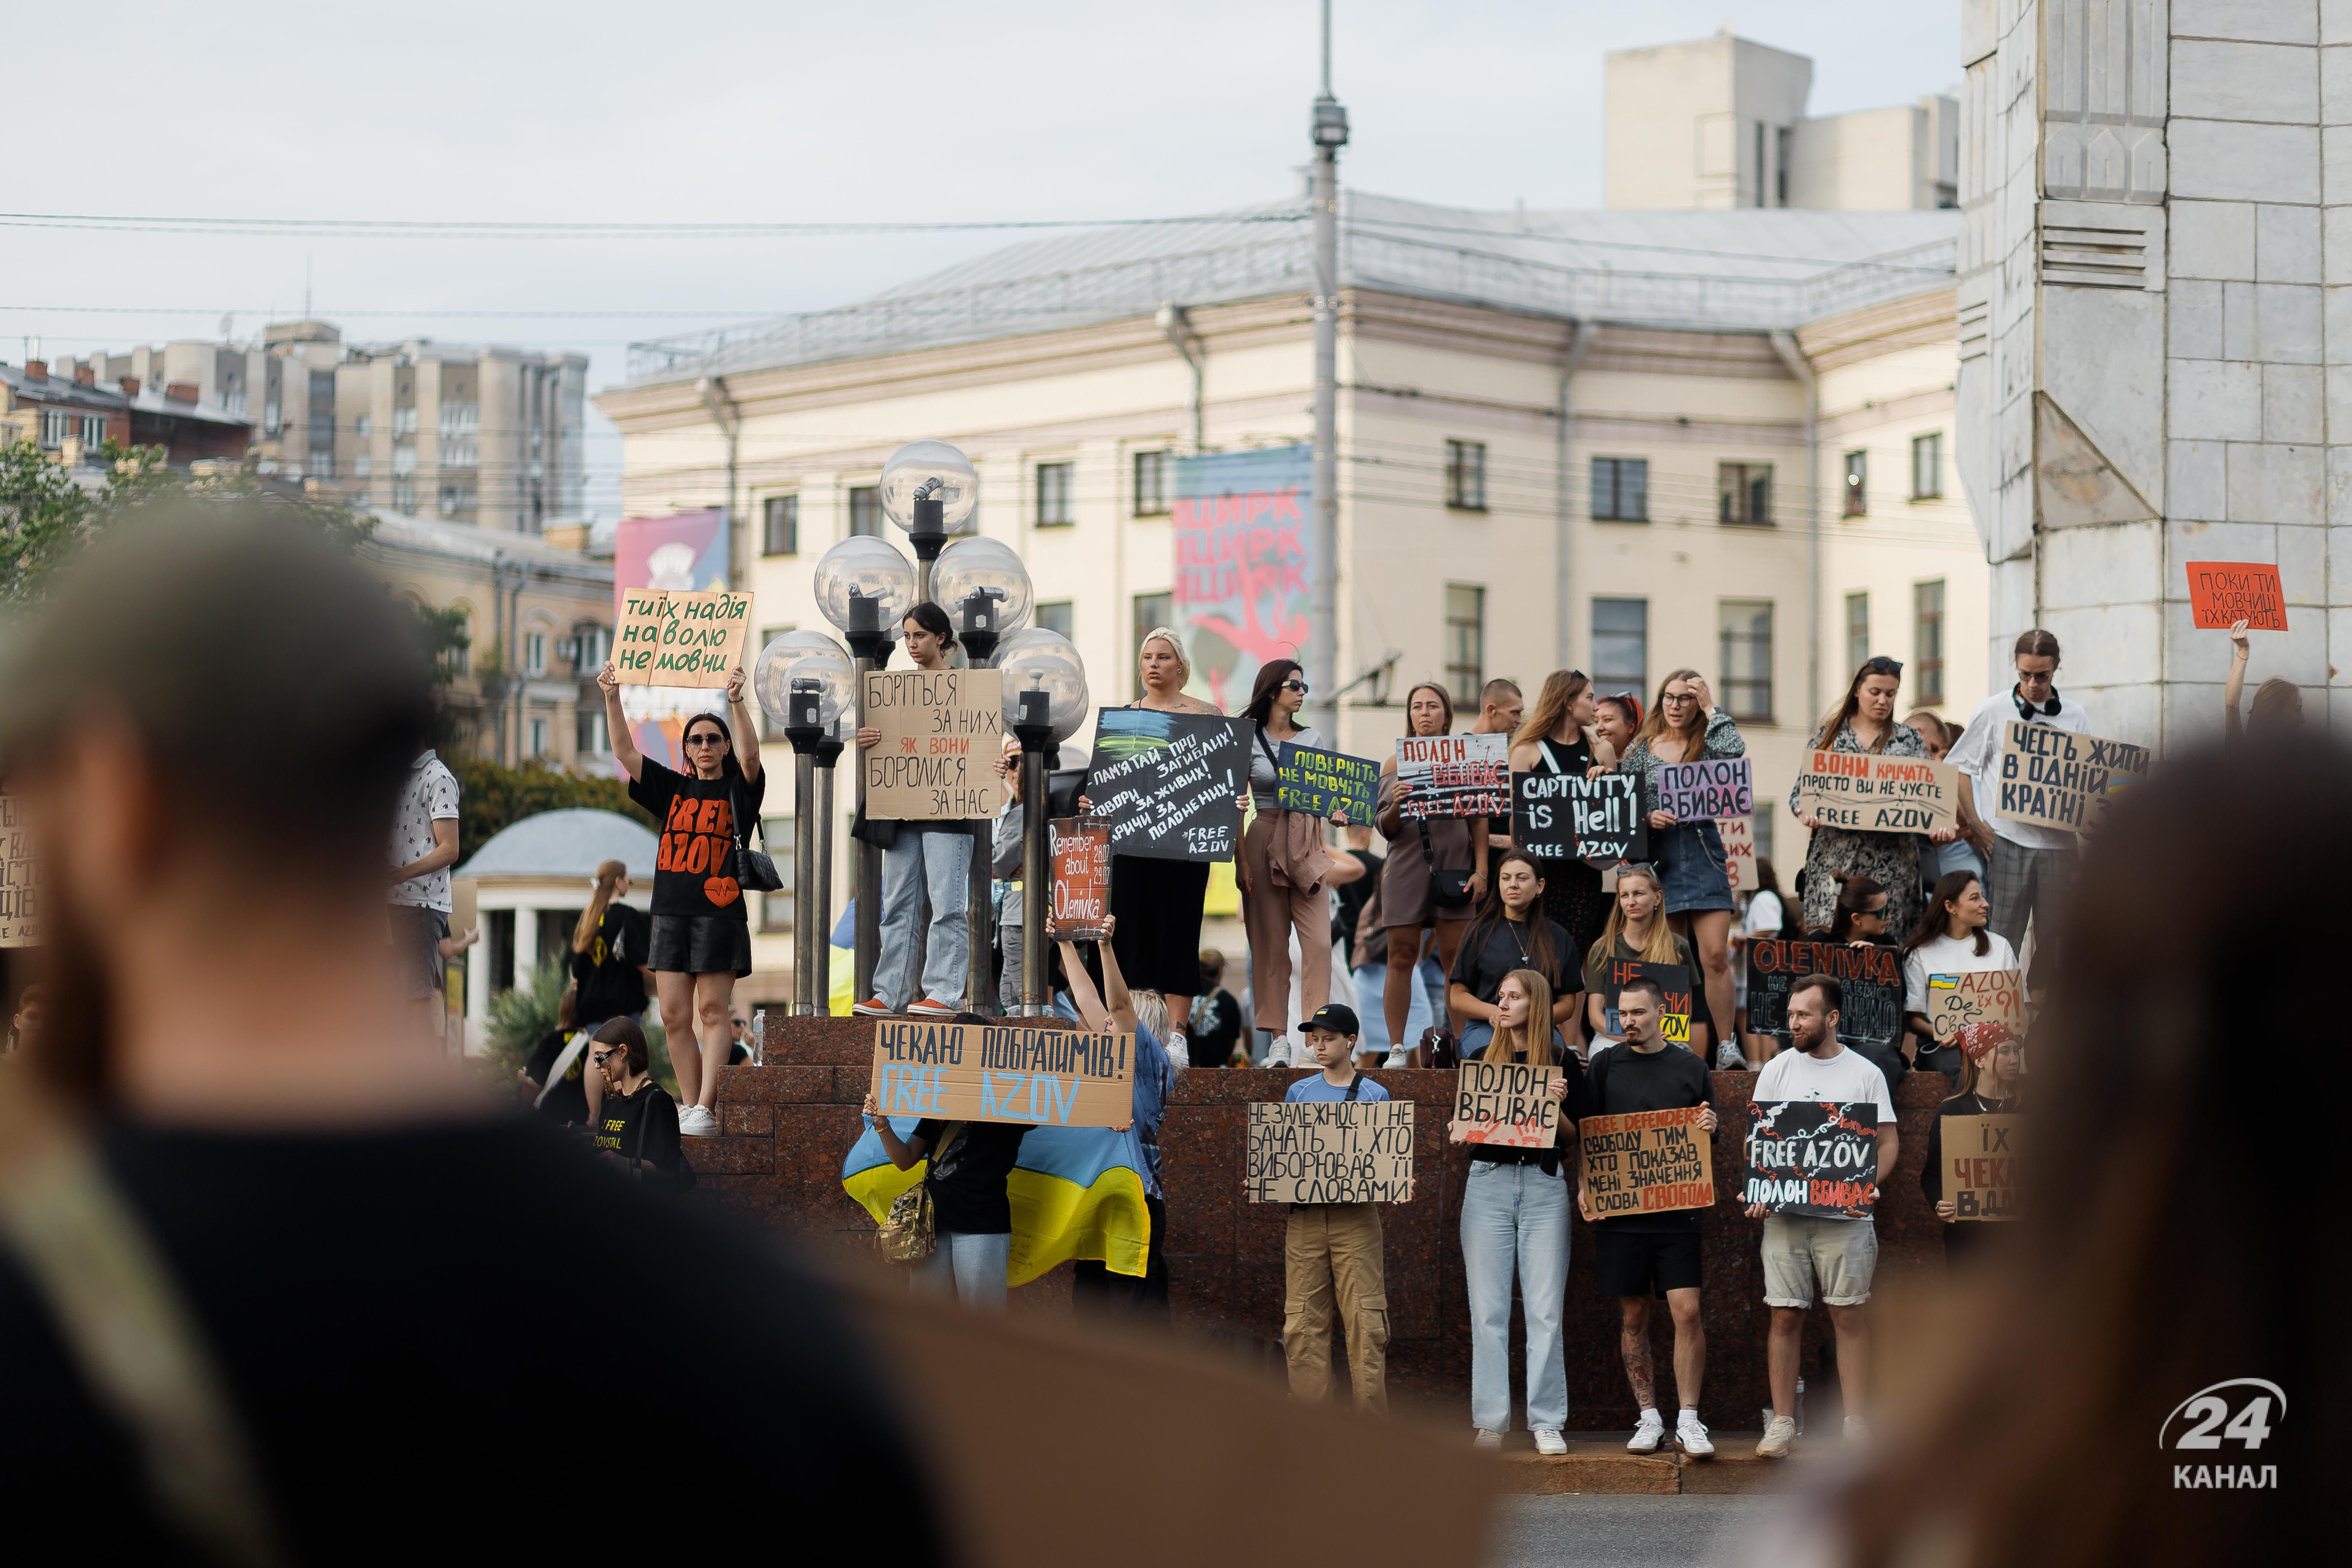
x=1075, y=1192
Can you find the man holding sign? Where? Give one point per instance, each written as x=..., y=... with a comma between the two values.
x=2026, y=862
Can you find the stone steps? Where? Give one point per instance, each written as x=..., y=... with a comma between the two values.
x=1598, y=1462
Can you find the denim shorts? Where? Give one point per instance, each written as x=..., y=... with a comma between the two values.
x=1690, y=861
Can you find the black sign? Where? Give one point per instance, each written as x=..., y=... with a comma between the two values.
x=1170, y=784
x=1871, y=1013
x=1674, y=1023
x=1559, y=816
x=1810, y=1157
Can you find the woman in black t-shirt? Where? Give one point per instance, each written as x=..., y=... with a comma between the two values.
x=610, y=946
x=1993, y=1072
x=1559, y=738
x=638, y=1124
x=1511, y=933
x=701, y=938
x=972, y=1215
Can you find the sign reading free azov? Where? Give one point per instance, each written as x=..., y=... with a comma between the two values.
x=975, y=1072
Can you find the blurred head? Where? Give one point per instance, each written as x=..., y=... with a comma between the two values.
x=1767, y=879
x=1428, y=711
x=27, y=1024
x=1563, y=704
x=1152, y=1013
x=2277, y=705
x=1160, y=661
x=739, y=1021
x=612, y=882
x=567, y=1009
x=1640, y=1002
x=1813, y=1003
x=1500, y=708
x=1933, y=733
x=1212, y=969
x=619, y=1051
x=1991, y=1060
x=929, y=633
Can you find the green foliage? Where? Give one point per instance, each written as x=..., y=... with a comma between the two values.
x=525, y=1016
x=495, y=796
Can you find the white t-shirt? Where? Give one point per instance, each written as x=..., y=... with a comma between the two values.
x=1764, y=916
x=430, y=795
x=1978, y=754
x=1845, y=1079
x=1951, y=955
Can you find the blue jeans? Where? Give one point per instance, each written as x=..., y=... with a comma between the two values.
x=971, y=1266
x=941, y=862
x=1516, y=1215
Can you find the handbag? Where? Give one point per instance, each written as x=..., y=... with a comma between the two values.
x=755, y=869
x=1448, y=888
x=909, y=1232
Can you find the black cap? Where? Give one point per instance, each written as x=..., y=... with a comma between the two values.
x=1340, y=1020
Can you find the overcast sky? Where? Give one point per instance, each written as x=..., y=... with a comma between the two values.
x=795, y=112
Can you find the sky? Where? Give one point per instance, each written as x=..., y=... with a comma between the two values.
x=771, y=112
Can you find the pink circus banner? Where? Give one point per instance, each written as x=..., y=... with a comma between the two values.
x=1241, y=593
x=684, y=552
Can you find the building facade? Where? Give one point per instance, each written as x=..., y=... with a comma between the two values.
x=70, y=414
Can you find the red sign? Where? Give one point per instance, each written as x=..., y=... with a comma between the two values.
x=2223, y=593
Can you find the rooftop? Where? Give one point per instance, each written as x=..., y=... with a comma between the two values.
x=1743, y=269
x=557, y=845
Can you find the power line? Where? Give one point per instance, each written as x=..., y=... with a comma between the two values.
x=501, y=229
x=755, y=313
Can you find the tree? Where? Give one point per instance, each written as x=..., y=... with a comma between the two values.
x=495, y=796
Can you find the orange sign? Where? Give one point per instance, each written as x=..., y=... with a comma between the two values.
x=2223, y=593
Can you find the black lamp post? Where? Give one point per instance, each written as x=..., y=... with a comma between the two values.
x=803, y=727
x=1034, y=731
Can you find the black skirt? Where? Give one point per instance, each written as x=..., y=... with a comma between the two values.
x=1158, y=905
x=700, y=944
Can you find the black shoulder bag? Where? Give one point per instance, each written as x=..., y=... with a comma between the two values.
x=755, y=869
x=1448, y=889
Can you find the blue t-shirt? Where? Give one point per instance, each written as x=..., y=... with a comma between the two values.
x=1316, y=1086
x=1152, y=1072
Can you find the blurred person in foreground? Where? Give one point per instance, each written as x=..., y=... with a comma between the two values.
x=2173, y=1234
x=26, y=1027
x=251, y=1223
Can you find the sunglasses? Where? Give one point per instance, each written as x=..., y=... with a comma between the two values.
x=601, y=1057
x=706, y=740
x=1882, y=665
x=1297, y=686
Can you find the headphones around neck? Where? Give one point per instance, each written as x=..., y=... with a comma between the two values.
x=2026, y=710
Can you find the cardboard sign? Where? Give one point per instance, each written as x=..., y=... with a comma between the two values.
x=972, y=1072
x=1986, y=996
x=1675, y=1025
x=1455, y=776
x=2057, y=778
x=1081, y=897
x=1506, y=1102
x=1810, y=1157
x=1331, y=1151
x=1739, y=852
x=1723, y=787
x=1559, y=817
x=942, y=730
x=1871, y=977
x=20, y=880
x=1862, y=792
x=667, y=638
x=1646, y=1162
x=1981, y=1165
x=1170, y=784
x=1326, y=784
x=2223, y=593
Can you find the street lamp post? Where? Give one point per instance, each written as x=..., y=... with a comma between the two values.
x=931, y=490
x=1045, y=702
x=802, y=680
x=987, y=589
x=1328, y=127
x=828, y=751
x=865, y=587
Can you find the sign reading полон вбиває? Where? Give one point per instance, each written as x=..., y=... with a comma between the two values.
x=2057, y=778
x=1455, y=776
x=974, y=1072
x=1724, y=786
x=1813, y=1157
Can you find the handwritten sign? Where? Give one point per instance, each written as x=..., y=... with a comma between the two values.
x=1812, y=1157
x=972, y=1072
x=667, y=638
x=1455, y=776
x=1985, y=996
x=1723, y=787
x=1673, y=1024
x=942, y=731
x=1862, y=792
x=1331, y=1151
x=20, y=880
x=1646, y=1162
x=1081, y=902
x=1981, y=1165
x=1872, y=978
x=1170, y=784
x=2059, y=779
x=1739, y=852
x=1326, y=784
x=2223, y=593
x=1559, y=816
x=1506, y=1103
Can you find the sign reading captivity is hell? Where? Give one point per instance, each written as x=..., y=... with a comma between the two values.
x=1560, y=816
x=974, y=1072
x=1981, y=1165
x=1455, y=776
x=1326, y=784
x=667, y=638
x=1871, y=977
x=1331, y=1151
x=1864, y=792
x=1506, y=1103
x=1986, y=996
x=1081, y=899
x=2223, y=593
x=20, y=880
x=942, y=731
x=1812, y=1157
x=1725, y=786
x=2059, y=779
x=1646, y=1162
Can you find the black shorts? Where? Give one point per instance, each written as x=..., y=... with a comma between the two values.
x=700, y=944
x=1644, y=1263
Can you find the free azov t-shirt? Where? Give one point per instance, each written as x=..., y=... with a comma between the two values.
x=694, y=869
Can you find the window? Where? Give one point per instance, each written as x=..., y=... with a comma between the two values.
x=1746, y=629
x=1466, y=475
x=272, y=417
x=322, y=462
x=1150, y=610
x=93, y=432
x=864, y=510
x=55, y=423
x=1762, y=824
x=1056, y=616
x=403, y=461
x=1052, y=494
x=538, y=737
x=592, y=740
x=779, y=525
x=1620, y=644
x=776, y=908
x=1465, y=642
x=404, y=421
x=1857, y=484
x=499, y=938
x=1151, y=483
x=1621, y=489
x=534, y=653
x=1927, y=467
x=1927, y=643
x=403, y=495
x=1857, y=630
x=460, y=419
x=361, y=424
x=362, y=466
x=593, y=645
x=1743, y=492
x=456, y=498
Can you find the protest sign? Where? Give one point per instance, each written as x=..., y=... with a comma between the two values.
x=1560, y=816
x=1812, y=1157
x=2059, y=779
x=1864, y=792
x=2223, y=593
x=20, y=881
x=1004, y=1072
x=1170, y=784
x=1673, y=1025
x=1986, y=996
x=1725, y=786
x=1646, y=1162
x=1872, y=978
x=1331, y=1151
x=668, y=638
x=1508, y=1104
x=942, y=731
x=1981, y=1165
x=1455, y=776
x=1081, y=901
x=1326, y=784
x=1739, y=852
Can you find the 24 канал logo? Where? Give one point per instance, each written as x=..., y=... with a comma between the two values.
x=2204, y=1421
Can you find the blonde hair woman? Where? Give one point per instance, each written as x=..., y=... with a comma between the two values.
x=1693, y=870
x=610, y=948
x=1558, y=737
x=1638, y=928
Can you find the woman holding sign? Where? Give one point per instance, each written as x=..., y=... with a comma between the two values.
x=1282, y=867
x=1693, y=870
x=1993, y=1071
x=1864, y=722
x=1436, y=873
x=1637, y=928
x=1511, y=935
x=1952, y=937
x=920, y=857
x=701, y=941
x=1559, y=738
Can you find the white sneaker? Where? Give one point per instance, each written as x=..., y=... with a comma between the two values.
x=696, y=1121
x=1692, y=1437
x=1777, y=1438
x=1395, y=1059
x=1730, y=1059
x=1277, y=1055
x=1549, y=1441
x=1857, y=1430
x=1486, y=1439
x=1180, y=1053
x=1647, y=1435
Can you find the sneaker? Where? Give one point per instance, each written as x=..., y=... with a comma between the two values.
x=1857, y=1430
x=927, y=1008
x=873, y=1008
x=696, y=1121
x=1692, y=1437
x=1647, y=1435
x=1395, y=1058
x=1730, y=1059
x=1777, y=1438
x=1486, y=1439
x=1549, y=1441
x=1277, y=1055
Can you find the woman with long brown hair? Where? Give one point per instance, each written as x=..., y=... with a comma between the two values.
x=2277, y=705
x=609, y=956
x=1410, y=901
x=1694, y=871
x=1617, y=719
x=1511, y=933
x=1637, y=928
x=1558, y=737
x=1283, y=867
x=1992, y=1074
x=1863, y=722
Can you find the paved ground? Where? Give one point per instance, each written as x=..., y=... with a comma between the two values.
x=1601, y=1531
